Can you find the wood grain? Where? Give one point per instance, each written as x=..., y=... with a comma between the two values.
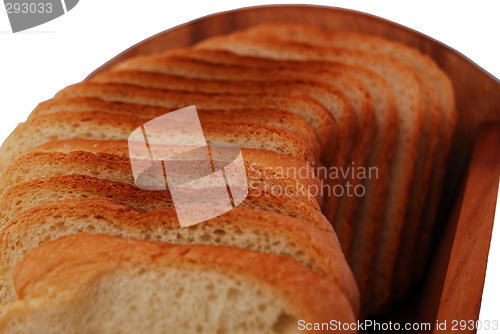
x=454, y=284
x=464, y=281
x=456, y=279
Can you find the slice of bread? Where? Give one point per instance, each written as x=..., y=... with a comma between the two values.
x=104, y=126
x=154, y=287
x=29, y=194
x=270, y=116
x=255, y=230
x=282, y=165
x=308, y=108
x=265, y=170
x=405, y=87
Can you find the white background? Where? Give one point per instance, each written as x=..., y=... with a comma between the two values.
x=36, y=63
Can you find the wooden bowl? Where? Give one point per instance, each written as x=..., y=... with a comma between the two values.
x=454, y=282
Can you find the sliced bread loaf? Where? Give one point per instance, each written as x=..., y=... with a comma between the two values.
x=423, y=210
x=196, y=64
x=239, y=81
x=186, y=63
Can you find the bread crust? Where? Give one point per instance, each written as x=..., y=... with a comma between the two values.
x=308, y=295
x=120, y=220
x=438, y=100
x=96, y=125
x=29, y=194
x=291, y=96
x=271, y=116
x=311, y=110
x=232, y=81
x=195, y=63
x=79, y=158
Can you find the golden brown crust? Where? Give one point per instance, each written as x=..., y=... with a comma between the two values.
x=310, y=296
x=94, y=103
x=236, y=85
x=207, y=63
x=262, y=158
x=281, y=166
x=400, y=127
x=112, y=167
x=243, y=78
x=319, y=118
x=321, y=244
x=441, y=113
x=433, y=85
x=105, y=126
x=358, y=240
x=29, y=194
x=270, y=116
x=441, y=87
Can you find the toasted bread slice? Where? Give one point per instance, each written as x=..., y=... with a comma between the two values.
x=279, y=164
x=104, y=126
x=425, y=66
x=270, y=116
x=153, y=287
x=217, y=78
x=255, y=230
x=406, y=90
x=109, y=160
x=316, y=115
x=29, y=194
